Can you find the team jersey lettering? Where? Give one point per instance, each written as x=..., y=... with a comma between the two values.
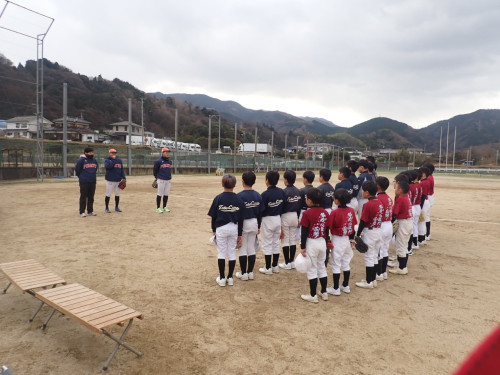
x=318, y=229
x=252, y=204
x=85, y=166
x=293, y=199
x=229, y=208
x=276, y=203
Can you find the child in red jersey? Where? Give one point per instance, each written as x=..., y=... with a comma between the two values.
x=370, y=232
x=425, y=206
x=402, y=212
x=386, y=227
x=313, y=243
x=341, y=224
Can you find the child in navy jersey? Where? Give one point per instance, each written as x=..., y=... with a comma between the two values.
x=273, y=199
x=327, y=189
x=227, y=225
x=313, y=244
x=290, y=220
x=252, y=217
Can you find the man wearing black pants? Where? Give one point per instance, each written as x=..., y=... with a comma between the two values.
x=86, y=170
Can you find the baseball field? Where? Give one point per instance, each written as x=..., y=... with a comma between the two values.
x=164, y=266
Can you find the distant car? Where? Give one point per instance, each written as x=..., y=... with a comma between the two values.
x=106, y=142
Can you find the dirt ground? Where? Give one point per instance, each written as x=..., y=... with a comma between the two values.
x=163, y=265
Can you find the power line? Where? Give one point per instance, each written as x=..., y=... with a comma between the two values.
x=18, y=80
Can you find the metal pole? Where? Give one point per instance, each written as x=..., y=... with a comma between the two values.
x=272, y=153
x=176, y=126
x=447, y=136
x=286, y=138
x=297, y=154
x=307, y=151
x=440, y=141
x=389, y=167
x=454, y=146
x=65, y=130
x=234, y=159
x=219, y=135
x=209, y=141
x=142, y=119
x=255, y=150
x=129, y=159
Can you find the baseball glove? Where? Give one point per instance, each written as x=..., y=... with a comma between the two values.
x=361, y=246
x=395, y=227
x=123, y=184
x=155, y=184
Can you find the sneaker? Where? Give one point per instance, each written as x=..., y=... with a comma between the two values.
x=221, y=282
x=364, y=284
x=165, y=209
x=159, y=210
x=250, y=276
x=92, y=213
x=399, y=271
x=393, y=263
x=385, y=275
x=428, y=238
x=324, y=296
x=380, y=277
x=230, y=281
x=276, y=269
x=83, y=214
x=242, y=276
x=285, y=266
x=292, y=265
x=107, y=211
x=410, y=252
x=117, y=209
x=309, y=298
x=345, y=289
x=375, y=284
x=332, y=291
x=266, y=271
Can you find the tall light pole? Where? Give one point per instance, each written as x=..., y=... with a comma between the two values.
x=209, y=140
x=235, y=134
x=129, y=161
x=142, y=119
x=219, y=134
x=65, y=129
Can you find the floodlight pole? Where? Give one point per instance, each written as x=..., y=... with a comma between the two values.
x=129, y=161
x=234, y=160
x=65, y=129
x=39, y=85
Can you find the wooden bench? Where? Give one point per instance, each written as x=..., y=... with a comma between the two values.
x=91, y=309
x=29, y=275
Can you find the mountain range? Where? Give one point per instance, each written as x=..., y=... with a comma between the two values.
x=102, y=102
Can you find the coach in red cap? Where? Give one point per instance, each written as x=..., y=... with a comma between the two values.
x=114, y=175
x=162, y=171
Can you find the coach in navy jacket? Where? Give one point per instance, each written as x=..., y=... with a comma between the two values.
x=86, y=170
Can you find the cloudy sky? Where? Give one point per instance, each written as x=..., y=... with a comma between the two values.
x=414, y=61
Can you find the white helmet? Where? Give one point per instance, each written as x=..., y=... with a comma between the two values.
x=302, y=263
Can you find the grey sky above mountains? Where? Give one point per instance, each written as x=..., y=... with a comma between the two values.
x=414, y=61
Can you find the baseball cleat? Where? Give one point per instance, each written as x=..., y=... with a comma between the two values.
x=266, y=271
x=345, y=289
x=332, y=291
x=285, y=266
x=364, y=284
x=309, y=298
x=250, y=276
x=117, y=209
x=107, y=211
x=242, y=276
x=165, y=209
x=159, y=210
x=221, y=282
x=324, y=296
x=230, y=281
x=399, y=271
x=276, y=269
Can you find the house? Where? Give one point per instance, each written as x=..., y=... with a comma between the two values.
x=148, y=137
x=25, y=127
x=318, y=149
x=78, y=130
x=119, y=133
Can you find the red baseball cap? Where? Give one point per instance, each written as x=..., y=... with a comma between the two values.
x=165, y=149
x=112, y=150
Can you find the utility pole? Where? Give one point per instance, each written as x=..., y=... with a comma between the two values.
x=176, y=126
x=286, y=138
x=440, y=141
x=234, y=159
x=272, y=146
x=447, y=136
x=297, y=154
x=209, y=141
x=219, y=135
x=255, y=151
x=142, y=119
x=65, y=130
x=454, y=146
x=129, y=159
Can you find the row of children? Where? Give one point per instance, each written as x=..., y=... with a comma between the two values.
x=237, y=219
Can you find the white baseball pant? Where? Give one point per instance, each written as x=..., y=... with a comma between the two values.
x=270, y=230
x=316, y=250
x=416, y=215
x=426, y=209
x=342, y=254
x=354, y=204
x=227, y=237
x=402, y=236
x=431, y=199
x=385, y=242
x=112, y=186
x=361, y=203
x=289, y=223
x=250, y=229
x=372, y=238
x=164, y=187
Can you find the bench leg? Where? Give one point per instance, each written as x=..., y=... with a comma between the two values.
x=119, y=342
x=47, y=321
x=37, y=311
x=7, y=287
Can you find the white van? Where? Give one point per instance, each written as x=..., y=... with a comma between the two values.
x=184, y=146
x=170, y=144
x=197, y=148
